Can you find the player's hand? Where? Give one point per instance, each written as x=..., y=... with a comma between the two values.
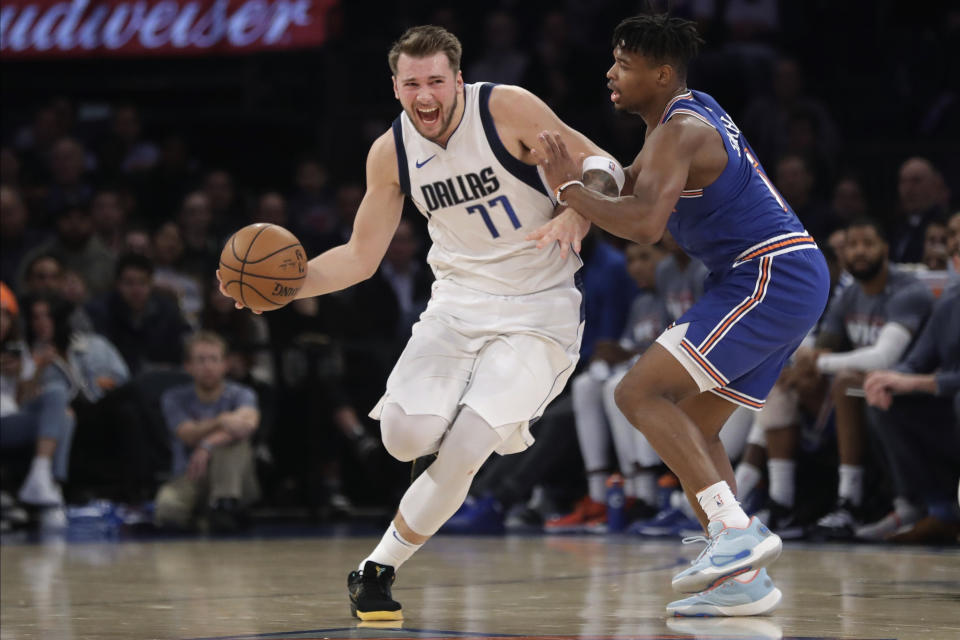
x=236, y=302
x=880, y=386
x=555, y=160
x=568, y=228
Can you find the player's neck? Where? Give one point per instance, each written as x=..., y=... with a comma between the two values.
x=655, y=112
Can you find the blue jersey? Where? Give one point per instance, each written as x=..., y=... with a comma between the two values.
x=741, y=213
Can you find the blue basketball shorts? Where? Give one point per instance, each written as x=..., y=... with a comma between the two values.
x=735, y=340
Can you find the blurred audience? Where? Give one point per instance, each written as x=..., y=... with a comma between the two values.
x=17, y=238
x=923, y=199
x=78, y=249
x=35, y=417
x=145, y=325
x=212, y=421
x=169, y=276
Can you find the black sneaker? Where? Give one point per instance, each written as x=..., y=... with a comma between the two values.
x=370, y=597
x=839, y=524
x=226, y=516
x=781, y=520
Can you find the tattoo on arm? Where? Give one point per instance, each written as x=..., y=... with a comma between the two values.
x=601, y=182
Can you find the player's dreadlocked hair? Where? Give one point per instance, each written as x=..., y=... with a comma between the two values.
x=663, y=38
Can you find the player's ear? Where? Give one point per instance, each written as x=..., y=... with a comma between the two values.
x=459, y=80
x=396, y=92
x=665, y=75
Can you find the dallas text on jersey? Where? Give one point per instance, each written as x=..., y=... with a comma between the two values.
x=460, y=189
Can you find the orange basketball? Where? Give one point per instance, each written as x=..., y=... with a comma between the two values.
x=263, y=266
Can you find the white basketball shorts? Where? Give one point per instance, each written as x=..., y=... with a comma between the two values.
x=505, y=357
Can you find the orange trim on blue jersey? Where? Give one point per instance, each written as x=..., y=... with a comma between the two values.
x=703, y=363
x=666, y=110
x=777, y=245
x=732, y=394
x=740, y=310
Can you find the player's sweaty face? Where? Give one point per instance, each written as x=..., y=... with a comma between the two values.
x=631, y=80
x=428, y=88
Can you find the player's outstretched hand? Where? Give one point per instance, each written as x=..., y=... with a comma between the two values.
x=555, y=160
x=568, y=228
x=236, y=302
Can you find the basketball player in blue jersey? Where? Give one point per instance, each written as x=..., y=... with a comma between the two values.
x=697, y=176
x=501, y=333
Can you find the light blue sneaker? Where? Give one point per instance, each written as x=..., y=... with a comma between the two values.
x=737, y=596
x=729, y=551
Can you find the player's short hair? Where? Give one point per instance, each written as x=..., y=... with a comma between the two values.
x=664, y=38
x=204, y=337
x=865, y=221
x=423, y=41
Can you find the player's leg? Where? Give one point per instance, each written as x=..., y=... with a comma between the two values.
x=421, y=400
x=710, y=413
x=650, y=396
x=842, y=522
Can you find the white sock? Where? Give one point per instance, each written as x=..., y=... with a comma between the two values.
x=747, y=477
x=851, y=483
x=41, y=466
x=645, y=487
x=782, y=483
x=597, y=485
x=718, y=503
x=393, y=549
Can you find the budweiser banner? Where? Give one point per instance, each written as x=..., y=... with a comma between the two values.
x=68, y=29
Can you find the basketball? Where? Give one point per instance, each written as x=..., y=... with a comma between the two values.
x=263, y=266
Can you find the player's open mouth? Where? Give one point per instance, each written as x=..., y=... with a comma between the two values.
x=429, y=116
x=614, y=95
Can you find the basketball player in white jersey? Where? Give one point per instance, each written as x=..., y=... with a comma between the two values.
x=501, y=333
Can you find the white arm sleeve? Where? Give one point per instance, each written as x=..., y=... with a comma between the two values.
x=885, y=352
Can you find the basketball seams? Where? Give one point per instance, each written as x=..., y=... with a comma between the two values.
x=280, y=288
x=243, y=263
x=257, y=291
x=270, y=255
x=257, y=275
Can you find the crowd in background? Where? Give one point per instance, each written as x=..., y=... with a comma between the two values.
x=128, y=376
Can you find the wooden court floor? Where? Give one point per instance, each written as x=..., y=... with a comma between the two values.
x=456, y=587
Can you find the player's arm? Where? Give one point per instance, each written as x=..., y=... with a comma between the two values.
x=642, y=216
x=520, y=116
x=376, y=222
x=525, y=116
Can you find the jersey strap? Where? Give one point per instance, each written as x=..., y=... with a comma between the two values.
x=402, y=169
x=520, y=170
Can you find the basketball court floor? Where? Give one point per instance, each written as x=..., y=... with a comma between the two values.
x=611, y=587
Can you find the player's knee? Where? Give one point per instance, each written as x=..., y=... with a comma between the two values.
x=845, y=380
x=626, y=398
x=407, y=437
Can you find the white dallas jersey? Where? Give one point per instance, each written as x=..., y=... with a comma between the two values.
x=480, y=203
